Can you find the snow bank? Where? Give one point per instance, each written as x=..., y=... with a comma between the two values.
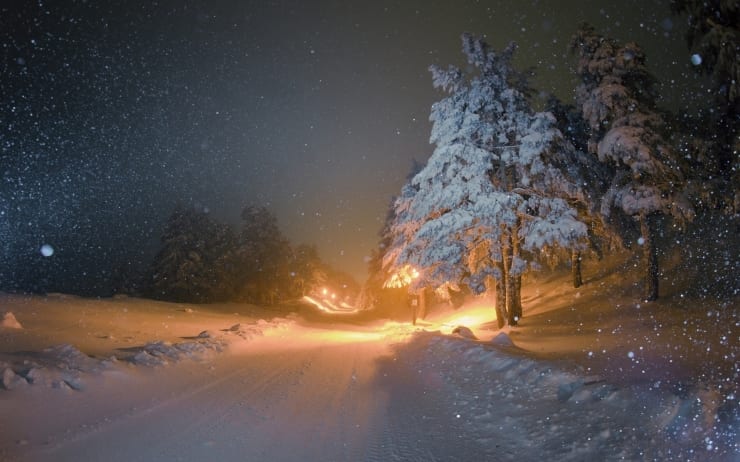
x=464, y=332
x=518, y=402
x=160, y=353
x=502, y=339
x=11, y=380
x=64, y=366
x=60, y=366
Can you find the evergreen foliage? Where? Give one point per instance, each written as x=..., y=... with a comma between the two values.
x=264, y=254
x=498, y=191
x=627, y=133
x=187, y=267
x=202, y=260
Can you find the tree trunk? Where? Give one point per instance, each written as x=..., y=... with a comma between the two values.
x=575, y=266
x=500, y=297
x=650, y=255
x=423, y=303
x=413, y=301
x=516, y=301
x=508, y=280
x=517, y=294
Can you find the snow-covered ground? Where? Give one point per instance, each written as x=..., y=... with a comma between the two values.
x=591, y=374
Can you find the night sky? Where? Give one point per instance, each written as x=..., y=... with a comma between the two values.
x=113, y=112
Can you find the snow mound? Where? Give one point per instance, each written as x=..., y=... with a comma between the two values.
x=59, y=366
x=464, y=332
x=161, y=353
x=258, y=328
x=10, y=380
x=10, y=321
x=502, y=339
x=503, y=393
x=245, y=332
x=65, y=367
x=68, y=357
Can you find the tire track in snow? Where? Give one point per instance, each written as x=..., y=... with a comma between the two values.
x=284, y=401
x=164, y=423
x=281, y=403
x=419, y=424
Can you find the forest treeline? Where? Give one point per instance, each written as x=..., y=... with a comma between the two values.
x=203, y=260
x=509, y=189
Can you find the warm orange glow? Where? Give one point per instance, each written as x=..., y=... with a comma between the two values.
x=345, y=336
x=390, y=331
x=472, y=316
x=402, y=278
x=327, y=305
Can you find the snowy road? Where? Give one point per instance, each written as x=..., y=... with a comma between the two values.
x=323, y=397
x=345, y=393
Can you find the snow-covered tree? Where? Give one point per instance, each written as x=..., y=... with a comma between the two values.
x=594, y=176
x=617, y=100
x=374, y=290
x=307, y=270
x=495, y=192
x=188, y=267
x=264, y=254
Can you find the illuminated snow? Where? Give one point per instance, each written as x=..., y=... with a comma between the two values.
x=129, y=379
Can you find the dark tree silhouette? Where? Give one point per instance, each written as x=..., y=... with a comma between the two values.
x=713, y=37
x=188, y=268
x=265, y=255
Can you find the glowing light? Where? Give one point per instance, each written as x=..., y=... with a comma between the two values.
x=389, y=331
x=402, y=278
x=316, y=303
x=343, y=336
x=327, y=306
x=443, y=291
x=471, y=317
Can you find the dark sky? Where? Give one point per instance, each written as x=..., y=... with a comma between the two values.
x=112, y=112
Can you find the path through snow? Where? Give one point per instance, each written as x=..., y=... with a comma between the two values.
x=362, y=395
x=317, y=397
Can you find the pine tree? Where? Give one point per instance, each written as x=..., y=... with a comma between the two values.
x=187, y=267
x=594, y=176
x=374, y=288
x=492, y=196
x=617, y=100
x=264, y=255
x=307, y=270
